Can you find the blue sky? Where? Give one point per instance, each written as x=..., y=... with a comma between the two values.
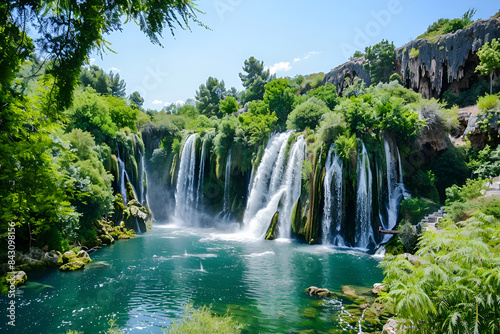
x=291, y=37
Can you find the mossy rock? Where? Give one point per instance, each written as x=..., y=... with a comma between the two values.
x=272, y=231
x=53, y=259
x=19, y=278
x=83, y=256
x=72, y=266
x=107, y=239
x=68, y=256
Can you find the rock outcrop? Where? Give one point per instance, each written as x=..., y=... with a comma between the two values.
x=431, y=66
x=351, y=69
x=446, y=62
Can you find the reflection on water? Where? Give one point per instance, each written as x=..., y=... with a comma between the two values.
x=144, y=283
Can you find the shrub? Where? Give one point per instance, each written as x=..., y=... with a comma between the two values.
x=488, y=102
x=202, y=321
x=470, y=190
x=414, y=53
x=307, y=115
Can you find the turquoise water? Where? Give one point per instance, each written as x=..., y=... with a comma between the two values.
x=144, y=283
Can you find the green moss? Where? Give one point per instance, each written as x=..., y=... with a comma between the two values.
x=414, y=53
x=272, y=231
x=72, y=266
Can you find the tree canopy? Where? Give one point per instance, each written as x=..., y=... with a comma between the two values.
x=254, y=80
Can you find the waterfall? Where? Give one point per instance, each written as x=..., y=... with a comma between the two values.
x=364, y=236
x=291, y=185
x=142, y=170
x=184, y=192
x=121, y=176
x=333, y=194
x=227, y=182
x=395, y=188
x=201, y=176
x=276, y=186
x=259, y=195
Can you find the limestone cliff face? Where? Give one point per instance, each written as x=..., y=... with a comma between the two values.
x=443, y=63
x=446, y=62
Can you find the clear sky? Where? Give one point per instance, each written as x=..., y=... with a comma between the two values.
x=291, y=37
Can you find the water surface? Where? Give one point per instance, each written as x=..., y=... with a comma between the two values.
x=144, y=283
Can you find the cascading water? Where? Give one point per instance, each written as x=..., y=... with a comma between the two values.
x=227, y=182
x=275, y=187
x=184, y=192
x=141, y=178
x=333, y=194
x=291, y=186
x=201, y=176
x=121, y=176
x=364, y=236
x=395, y=189
x=259, y=195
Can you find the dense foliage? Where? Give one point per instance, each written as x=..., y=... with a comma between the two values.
x=452, y=284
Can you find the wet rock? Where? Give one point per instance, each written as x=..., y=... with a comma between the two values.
x=107, y=239
x=391, y=327
x=18, y=278
x=71, y=266
x=36, y=253
x=83, y=256
x=377, y=288
x=68, y=256
x=315, y=291
x=272, y=231
x=53, y=258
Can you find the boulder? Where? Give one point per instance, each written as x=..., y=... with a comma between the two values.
x=107, y=239
x=53, y=258
x=68, y=256
x=320, y=292
x=391, y=327
x=71, y=266
x=83, y=256
x=19, y=277
x=36, y=253
x=377, y=288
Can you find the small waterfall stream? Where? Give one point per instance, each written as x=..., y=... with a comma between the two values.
x=334, y=197
x=184, y=193
x=364, y=236
x=121, y=176
x=201, y=176
x=291, y=186
x=142, y=170
x=226, y=211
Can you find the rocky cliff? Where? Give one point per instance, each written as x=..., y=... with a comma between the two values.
x=433, y=66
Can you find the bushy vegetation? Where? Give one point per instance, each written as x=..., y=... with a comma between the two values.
x=202, y=321
x=445, y=26
x=452, y=284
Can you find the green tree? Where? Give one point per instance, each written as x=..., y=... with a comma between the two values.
x=254, y=80
x=136, y=100
x=116, y=86
x=379, y=61
x=122, y=115
x=229, y=105
x=209, y=95
x=90, y=113
x=307, y=115
x=280, y=98
x=489, y=59
x=326, y=93
x=68, y=32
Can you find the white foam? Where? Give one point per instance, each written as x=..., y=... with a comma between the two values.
x=259, y=254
